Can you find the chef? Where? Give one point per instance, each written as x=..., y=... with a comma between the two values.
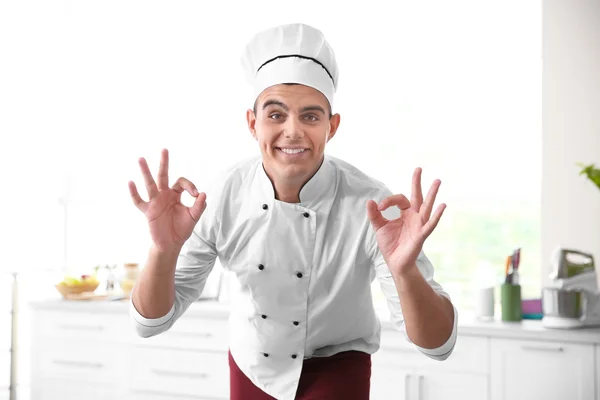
x=304, y=233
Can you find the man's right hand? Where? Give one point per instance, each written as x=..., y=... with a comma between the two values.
x=171, y=223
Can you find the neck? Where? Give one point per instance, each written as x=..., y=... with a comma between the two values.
x=287, y=190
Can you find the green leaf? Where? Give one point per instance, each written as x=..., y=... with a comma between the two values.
x=591, y=172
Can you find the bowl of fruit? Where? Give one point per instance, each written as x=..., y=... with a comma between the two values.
x=71, y=287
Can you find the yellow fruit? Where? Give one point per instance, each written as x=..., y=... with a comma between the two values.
x=69, y=281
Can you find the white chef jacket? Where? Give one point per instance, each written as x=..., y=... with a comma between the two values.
x=304, y=271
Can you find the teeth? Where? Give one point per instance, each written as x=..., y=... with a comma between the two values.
x=292, y=151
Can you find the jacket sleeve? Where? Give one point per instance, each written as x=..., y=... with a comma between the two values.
x=388, y=288
x=194, y=264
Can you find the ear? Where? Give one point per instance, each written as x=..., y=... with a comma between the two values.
x=334, y=124
x=251, y=120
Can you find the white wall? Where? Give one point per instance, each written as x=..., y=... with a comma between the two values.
x=571, y=126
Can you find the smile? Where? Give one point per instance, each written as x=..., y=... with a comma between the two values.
x=291, y=152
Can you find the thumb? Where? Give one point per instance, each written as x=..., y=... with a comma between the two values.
x=198, y=207
x=375, y=216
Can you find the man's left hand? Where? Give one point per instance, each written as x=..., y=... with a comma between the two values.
x=401, y=240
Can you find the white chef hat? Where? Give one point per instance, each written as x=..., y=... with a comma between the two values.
x=291, y=53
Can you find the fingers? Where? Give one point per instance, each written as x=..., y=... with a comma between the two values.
x=137, y=200
x=163, y=170
x=150, y=184
x=432, y=223
x=375, y=216
x=198, y=207
x=398, y=200
x=184, y=184
x=416, y=197
x=427, y=206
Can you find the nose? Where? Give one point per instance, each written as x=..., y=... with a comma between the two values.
x=293, y=129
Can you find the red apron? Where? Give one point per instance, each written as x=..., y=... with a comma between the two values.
x=346, y=375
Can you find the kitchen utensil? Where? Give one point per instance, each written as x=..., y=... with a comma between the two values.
x=507, y=277
x=516, y=259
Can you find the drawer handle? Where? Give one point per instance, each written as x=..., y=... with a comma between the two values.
x=540, y=348
x=191, y=375
x=82, y=327
x=84, y=364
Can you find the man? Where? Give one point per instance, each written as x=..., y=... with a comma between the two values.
x=304, y=237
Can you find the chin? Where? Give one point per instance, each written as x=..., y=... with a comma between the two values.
x=292, y=171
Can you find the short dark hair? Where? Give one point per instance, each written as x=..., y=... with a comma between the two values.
x=292, y=84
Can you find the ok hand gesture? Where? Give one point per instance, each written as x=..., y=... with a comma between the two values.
x=171, y=223
x=401, y=240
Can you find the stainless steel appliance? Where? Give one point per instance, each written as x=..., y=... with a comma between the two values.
x=572, y=299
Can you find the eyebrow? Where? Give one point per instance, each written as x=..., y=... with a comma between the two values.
x=286, y=108
x=312, y=108
x=275, y=103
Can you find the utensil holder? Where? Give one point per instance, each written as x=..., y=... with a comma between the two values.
x=510, y=299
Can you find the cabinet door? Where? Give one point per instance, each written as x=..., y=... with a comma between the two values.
x=529, y=370
x=597, y=371
x=180, y=372
x=71, y=390
x=150, y=395
x=452, y=386
x=470, y=354
x=78, y=361
x=391, y=384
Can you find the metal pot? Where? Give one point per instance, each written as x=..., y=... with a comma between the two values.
x=563, y=303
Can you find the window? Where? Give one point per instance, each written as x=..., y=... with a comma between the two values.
x=453, y=87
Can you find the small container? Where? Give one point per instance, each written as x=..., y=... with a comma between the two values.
x=510, y=299
x=484, y=304
x=132, y=271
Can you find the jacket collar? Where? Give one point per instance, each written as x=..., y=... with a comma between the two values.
x=319, y=189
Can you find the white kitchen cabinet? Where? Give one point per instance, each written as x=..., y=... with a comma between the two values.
x=80, y=361
x=422, y=384
x=544, y=370
x=435, y=385
x=400, y=371
x=388, y=384
x=90, y=351
x=150, y=395
x=69, y=389
x=597, y=354
x=180, y=372
x=80, y=355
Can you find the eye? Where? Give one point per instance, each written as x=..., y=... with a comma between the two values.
x=275, y=116
x=311, y=118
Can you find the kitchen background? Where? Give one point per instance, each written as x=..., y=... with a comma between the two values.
x=499, y=100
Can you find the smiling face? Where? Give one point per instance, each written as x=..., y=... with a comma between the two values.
x=292, y=124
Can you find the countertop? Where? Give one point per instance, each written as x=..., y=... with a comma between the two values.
x=467, y=325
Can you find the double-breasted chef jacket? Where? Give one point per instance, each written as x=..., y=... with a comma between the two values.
x=303, y=271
